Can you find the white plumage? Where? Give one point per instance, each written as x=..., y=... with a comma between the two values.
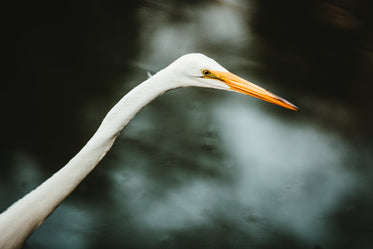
x=24, y=216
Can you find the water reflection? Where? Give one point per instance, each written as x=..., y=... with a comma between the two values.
x=200, y=168
x=299, y=170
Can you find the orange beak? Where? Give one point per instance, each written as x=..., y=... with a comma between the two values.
x=243, y=86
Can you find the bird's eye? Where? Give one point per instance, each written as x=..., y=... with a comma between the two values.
x=206, y=72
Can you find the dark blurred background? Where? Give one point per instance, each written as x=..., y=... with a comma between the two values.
x=197, y=168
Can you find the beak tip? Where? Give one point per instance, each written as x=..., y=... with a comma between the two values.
x=295, y=108
x=288, y=104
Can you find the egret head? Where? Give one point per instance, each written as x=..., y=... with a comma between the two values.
x=202, y=71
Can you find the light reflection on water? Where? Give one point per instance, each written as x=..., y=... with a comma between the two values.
x=299, y=170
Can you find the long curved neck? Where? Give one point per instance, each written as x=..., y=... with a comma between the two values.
x=24, y=216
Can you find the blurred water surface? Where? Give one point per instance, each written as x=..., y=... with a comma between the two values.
x=197, y=168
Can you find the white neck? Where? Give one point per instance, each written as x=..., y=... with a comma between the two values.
x=24, y=216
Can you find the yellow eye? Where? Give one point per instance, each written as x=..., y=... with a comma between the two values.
x=206, y=72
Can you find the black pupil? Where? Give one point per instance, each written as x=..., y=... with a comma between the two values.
x=206, y=72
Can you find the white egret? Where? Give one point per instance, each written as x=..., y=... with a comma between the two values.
x=26, y=215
